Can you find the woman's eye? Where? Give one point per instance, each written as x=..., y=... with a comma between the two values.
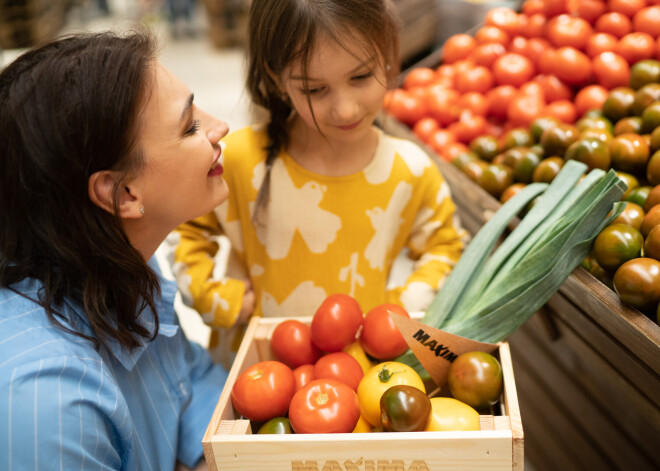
x=193, y=129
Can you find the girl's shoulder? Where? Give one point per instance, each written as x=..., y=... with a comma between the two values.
x=406, y=153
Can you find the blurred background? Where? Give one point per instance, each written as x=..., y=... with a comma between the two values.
x=203, y=41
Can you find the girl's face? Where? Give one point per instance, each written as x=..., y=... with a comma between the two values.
x=346, y=90
x=182, y=177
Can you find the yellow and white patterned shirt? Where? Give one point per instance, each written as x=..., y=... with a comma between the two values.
x=322, y=235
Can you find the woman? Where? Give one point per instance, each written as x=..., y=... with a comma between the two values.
x=103, y=153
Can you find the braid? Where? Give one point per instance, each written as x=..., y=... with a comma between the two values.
x=277, y=140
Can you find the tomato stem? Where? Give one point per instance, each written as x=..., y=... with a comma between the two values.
x=321, y=399
x=384, y=375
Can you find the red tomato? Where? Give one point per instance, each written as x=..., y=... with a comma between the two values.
x=572, y=66
x=512, y=69
x=292, y=344
x=340, y=366
x=264, y=391
x=567, y=30
x=419, y=77
x=303, y=374
x=336, y=322
x=590, y=97
x=405, y=106
x=324, y=406
x=425, y=127
x=611, y=70
x=380, y=338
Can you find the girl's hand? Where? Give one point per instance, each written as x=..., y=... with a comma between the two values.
x=248, y=304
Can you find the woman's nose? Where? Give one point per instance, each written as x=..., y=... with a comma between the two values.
x=216, y=130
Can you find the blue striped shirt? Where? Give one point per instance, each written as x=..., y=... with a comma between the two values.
x=65, y=405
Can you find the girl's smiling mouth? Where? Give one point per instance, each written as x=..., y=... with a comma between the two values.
x=348, y=127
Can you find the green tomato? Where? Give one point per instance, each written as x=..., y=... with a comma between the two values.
x=277, y=425
x=404, y=408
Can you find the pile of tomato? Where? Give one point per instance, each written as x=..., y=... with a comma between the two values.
x=339, y=375
x=562, y=79
x=554, y=58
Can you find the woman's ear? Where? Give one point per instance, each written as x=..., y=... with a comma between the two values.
x=101, y=189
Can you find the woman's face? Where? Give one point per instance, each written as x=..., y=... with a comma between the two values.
x=182, y=177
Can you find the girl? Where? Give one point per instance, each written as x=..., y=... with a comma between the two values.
x=321, y=200
x=103, y=152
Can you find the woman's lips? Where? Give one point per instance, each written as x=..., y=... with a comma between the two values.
x=216, y=168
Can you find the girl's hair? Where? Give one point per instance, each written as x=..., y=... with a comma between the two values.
x=285, y=31
x=68, y=109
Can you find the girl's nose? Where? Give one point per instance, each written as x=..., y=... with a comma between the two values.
x=345, y=106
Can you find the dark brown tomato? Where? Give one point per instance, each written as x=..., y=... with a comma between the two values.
x=616, y=244
x=594, y=122
x=629, y=153
x=556, y=140
x=486, y=147
x=651, y=220
x=618, y=103
x=474, y=169
x=644, y=97
x=537, y=149
x=652, y=198
x=516, y=137
x=632, y=215
x=601, y=134
x=540, y=124
x=652, y=244
x=404, y=408
x=547, y=169
x=651, y=117
x=475, y=378
x=511, y=191
x=496, y=178
x=631, y=124
x=638, y=195
x=637, y=282
x=591, y=151
x=463, y=158
x=524, y=167
x=631, y=182
x=591, y=265
x=644, y=72
x=654, y=139
x=653, y=169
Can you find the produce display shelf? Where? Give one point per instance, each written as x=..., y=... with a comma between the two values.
x=587, y=365
x=231, y=444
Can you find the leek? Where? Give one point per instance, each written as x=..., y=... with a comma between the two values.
x=493, y=291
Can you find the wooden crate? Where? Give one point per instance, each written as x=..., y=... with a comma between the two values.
x=229, y=442
x=587, y=365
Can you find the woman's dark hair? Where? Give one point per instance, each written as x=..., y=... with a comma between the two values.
x=284, y=31
x=68, y=109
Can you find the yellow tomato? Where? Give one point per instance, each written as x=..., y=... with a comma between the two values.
x=362, y=426
x=379, y=379
x=449, y=414
x=356, y=351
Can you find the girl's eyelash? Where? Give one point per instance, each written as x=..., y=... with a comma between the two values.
x=363, y=76
x=193, y=129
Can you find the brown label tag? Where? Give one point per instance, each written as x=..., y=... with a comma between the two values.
x=434, y=348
